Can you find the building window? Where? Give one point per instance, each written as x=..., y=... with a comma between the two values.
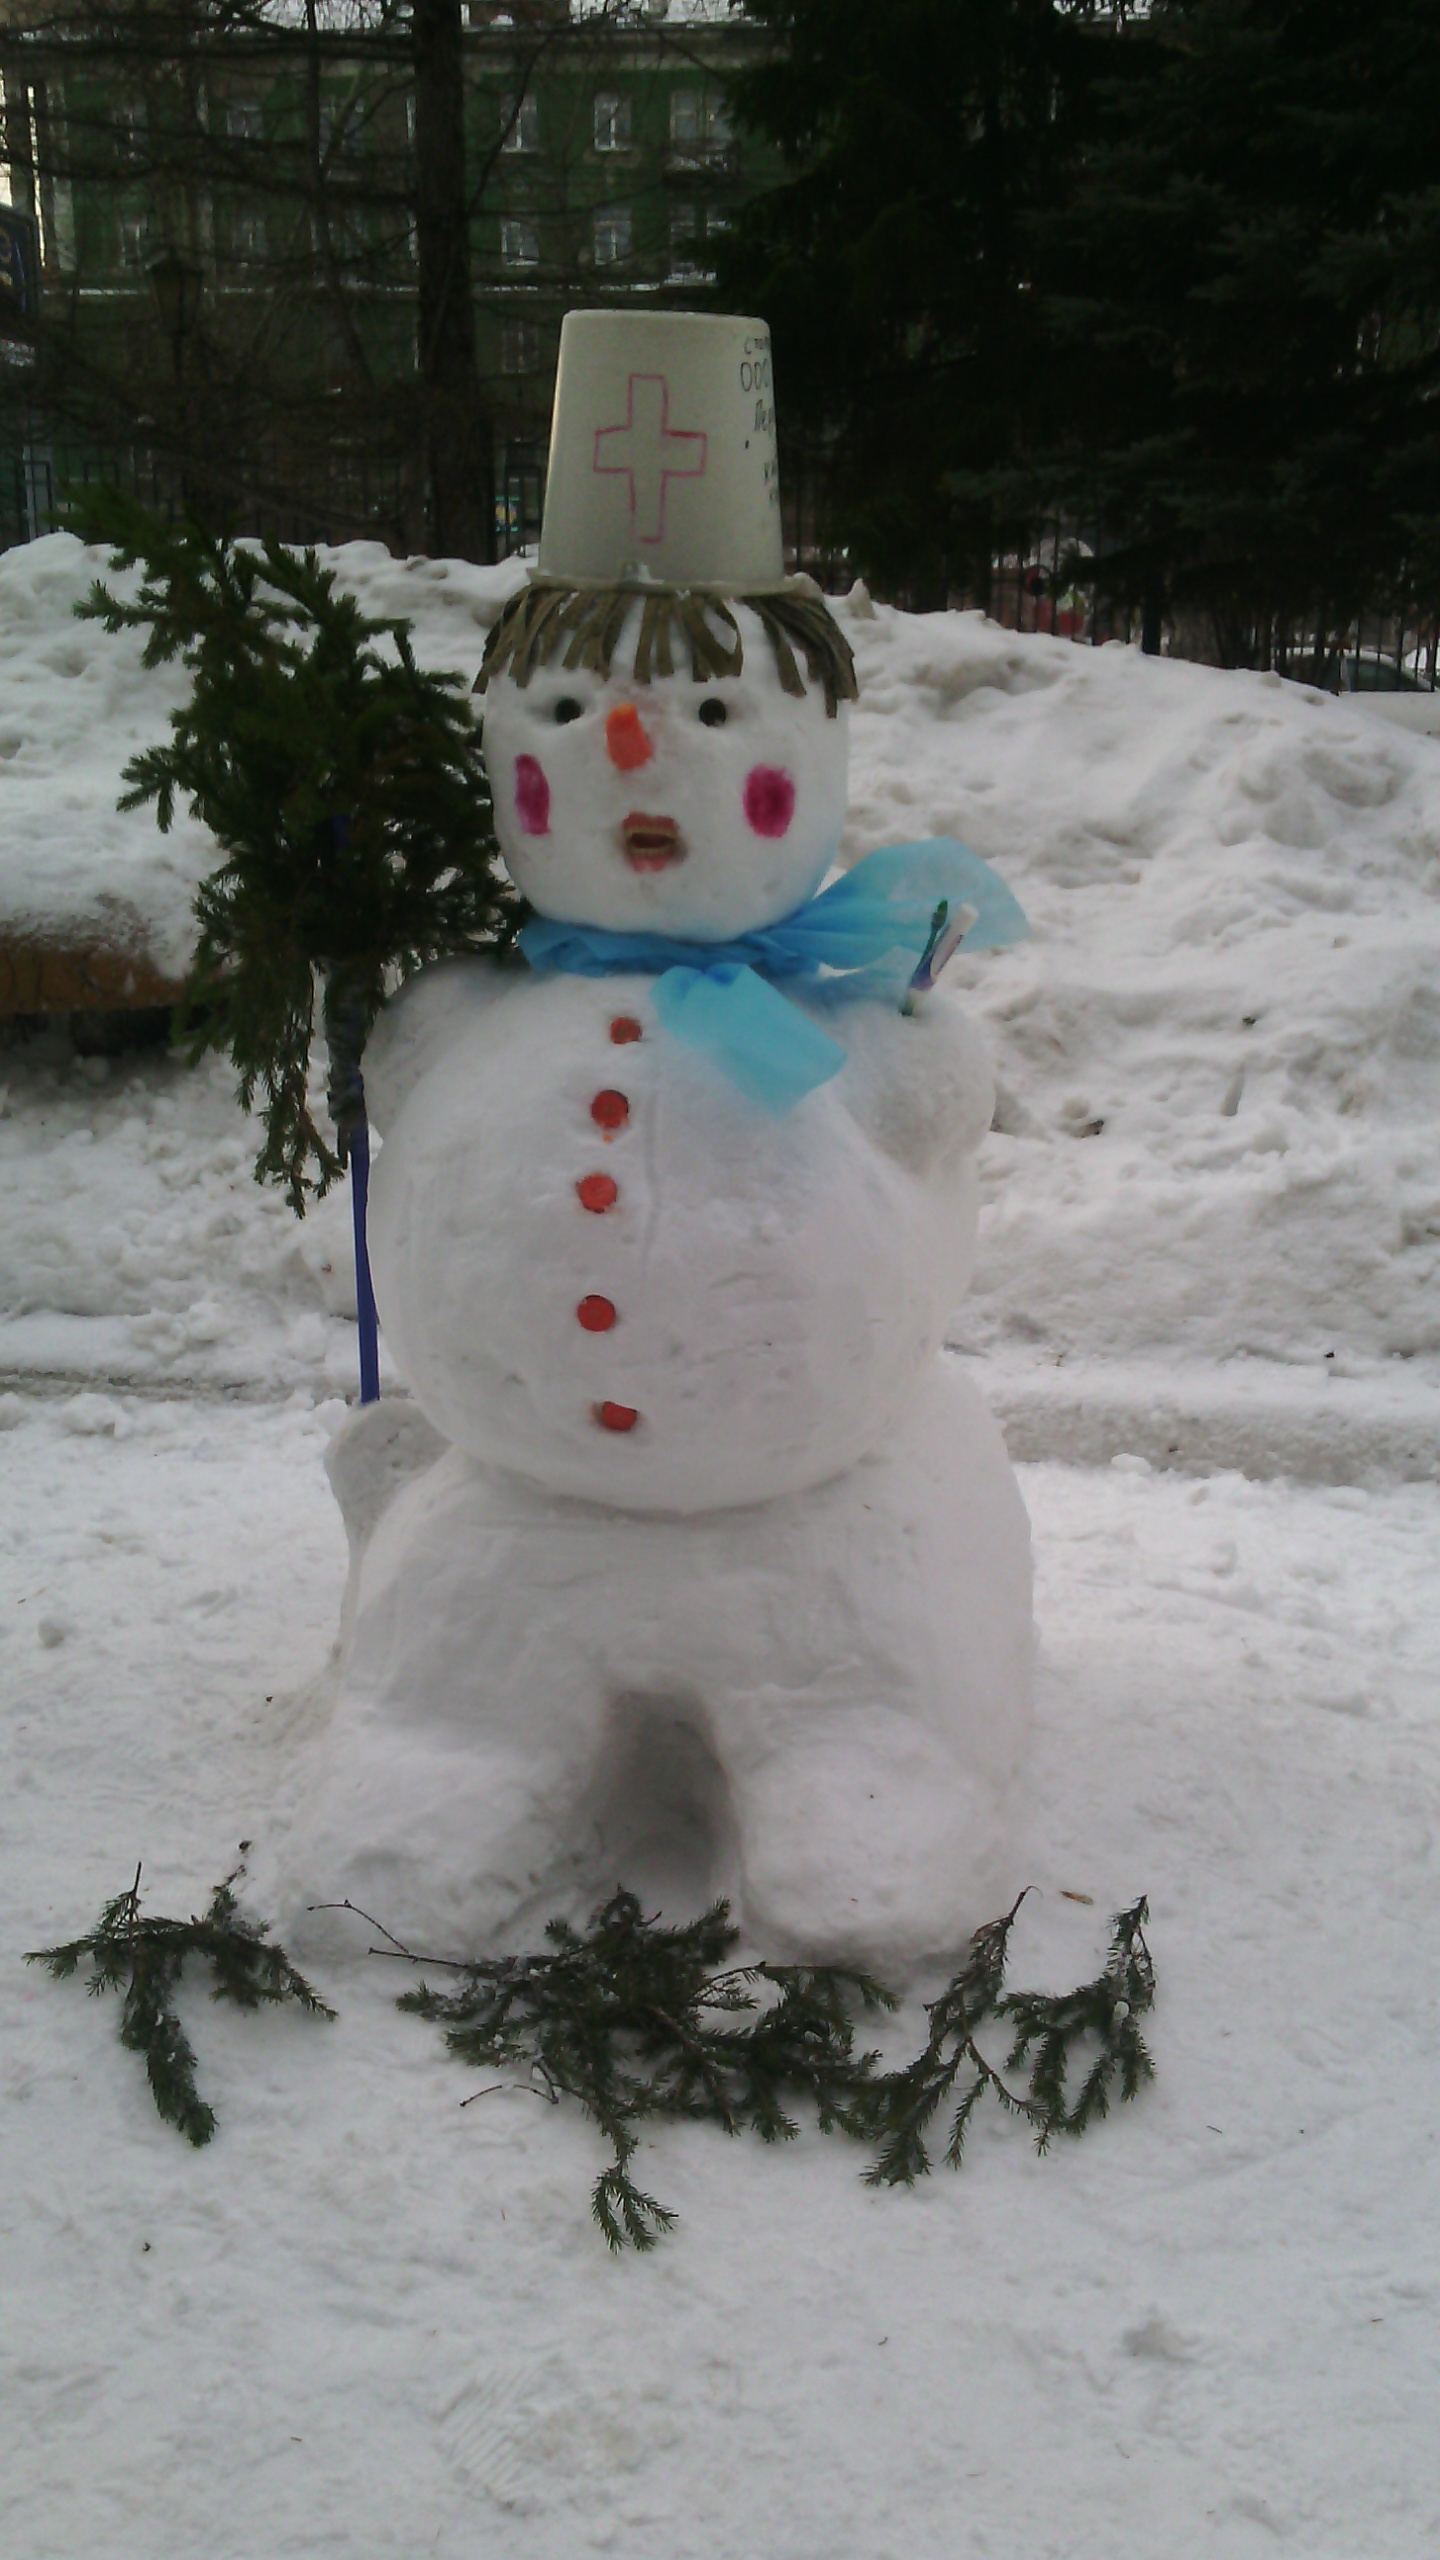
x=520, y=347
x=612, y=121
x=519, y=243
x=698, y=116
x=133, y=234
x=686, y=263
x=349, y=230
x=520, y=122
x=337, y=132
x=247, y=235
x=612, y=234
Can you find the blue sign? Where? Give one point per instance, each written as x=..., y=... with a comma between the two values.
x=19, y=273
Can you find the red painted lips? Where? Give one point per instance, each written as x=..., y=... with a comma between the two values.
x=650, y=844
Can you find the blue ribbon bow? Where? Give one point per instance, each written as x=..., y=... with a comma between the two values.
x=863, y=936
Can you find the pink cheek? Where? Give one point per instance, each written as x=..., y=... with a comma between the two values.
x=532, y=797
x=769, y=799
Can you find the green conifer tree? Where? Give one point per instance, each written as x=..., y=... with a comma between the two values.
x=1166, y=274
x=894, y=260
x=1242, y=292
x=343, y=785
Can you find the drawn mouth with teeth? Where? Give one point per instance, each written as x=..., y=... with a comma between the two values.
x=651, y=844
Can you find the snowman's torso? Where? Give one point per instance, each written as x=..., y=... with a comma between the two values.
x=573, y=1225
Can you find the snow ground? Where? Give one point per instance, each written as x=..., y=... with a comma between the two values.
x=368, y=2321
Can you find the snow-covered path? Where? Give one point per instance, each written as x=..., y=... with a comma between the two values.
x=368, y=2321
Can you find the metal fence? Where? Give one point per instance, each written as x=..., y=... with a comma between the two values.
x=1050, y=586
x=319, y=493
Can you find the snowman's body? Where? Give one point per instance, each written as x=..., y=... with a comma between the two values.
x=761, y=1293
x=722, y=1567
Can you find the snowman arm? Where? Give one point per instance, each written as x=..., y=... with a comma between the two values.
x=920, y=1084
x=421, y=1019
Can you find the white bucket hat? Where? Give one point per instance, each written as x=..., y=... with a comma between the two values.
x=662, y=452
x=664, y=491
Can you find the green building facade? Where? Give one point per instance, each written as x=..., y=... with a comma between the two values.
x=616, y=173
x=227, y=242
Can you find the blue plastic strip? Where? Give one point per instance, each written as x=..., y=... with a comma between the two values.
x=765, y=1045
x=863, y=936
x=359, y=1151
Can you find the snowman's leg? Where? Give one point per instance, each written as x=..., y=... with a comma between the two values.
x=450, y=1793
x=869, y=1689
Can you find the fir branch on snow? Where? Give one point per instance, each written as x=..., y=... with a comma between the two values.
x=344, y=787
x=630, y=2020
x=640, y=2021
x=633, y=2020
x=1050, y=2031
x=144, y=1959
x=1106, y=2012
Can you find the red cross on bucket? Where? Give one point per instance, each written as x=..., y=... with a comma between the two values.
x=649, y=451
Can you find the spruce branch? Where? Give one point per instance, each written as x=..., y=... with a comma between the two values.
x=1106, y=2011
x=144, y=1959
x=639, y=2021
x=906, y=2102
x=1050, y=2031
x=629, y=2020
x=342, y=783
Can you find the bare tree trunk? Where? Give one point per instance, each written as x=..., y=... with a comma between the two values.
x=1152, y=612
x=321, y=153
x=461, y=507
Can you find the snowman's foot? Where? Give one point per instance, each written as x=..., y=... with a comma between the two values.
x=451, y=1849
x=864, y=1841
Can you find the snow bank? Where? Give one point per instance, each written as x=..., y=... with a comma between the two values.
x=137, y=1246
x=1213, y=1174
x=76, y=703
x=1220, y=1055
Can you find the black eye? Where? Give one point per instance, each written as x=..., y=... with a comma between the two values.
x=567, y=708
x=713, y=713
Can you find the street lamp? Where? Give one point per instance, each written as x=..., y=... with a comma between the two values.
x=177, y=282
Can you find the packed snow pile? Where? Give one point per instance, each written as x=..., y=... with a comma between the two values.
x=1218, y=1057
x=78, y=703
x=1231, y=993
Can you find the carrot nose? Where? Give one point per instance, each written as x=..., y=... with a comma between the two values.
x=626, y=743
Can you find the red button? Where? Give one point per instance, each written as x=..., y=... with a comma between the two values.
x=625, y=1027
x=596, y=1314
x=597, y=1192
x=615, y=1417
x=609, y=1110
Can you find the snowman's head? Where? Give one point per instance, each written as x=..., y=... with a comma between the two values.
x=683, y=777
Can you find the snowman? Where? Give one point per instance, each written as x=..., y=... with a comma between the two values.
x=690, y=1563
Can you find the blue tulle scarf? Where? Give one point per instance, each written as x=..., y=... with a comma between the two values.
x=863, y=936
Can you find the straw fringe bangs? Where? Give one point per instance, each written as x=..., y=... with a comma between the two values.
x=581, y=627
